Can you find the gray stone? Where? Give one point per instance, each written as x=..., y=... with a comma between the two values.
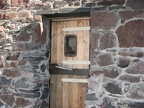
x=135, y=4
x=21, y=83
x=104, y=59
x=45, y=93
x=106, y=103
x=123, y=62
x=107, y=40
x=58, y=4
x=136, y=105
x=136, y=68
x=131, y=34
x=110, y=72
x=103, y=20
x=24, y=95
x=113, y=88
x=4, y=81
x=44, y=104
x=91, y=97
x=43, y=67
x=129, y=78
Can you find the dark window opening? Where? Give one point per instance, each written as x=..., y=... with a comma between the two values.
x=70, y=45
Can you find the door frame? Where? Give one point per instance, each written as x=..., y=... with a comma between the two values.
x=47, y=25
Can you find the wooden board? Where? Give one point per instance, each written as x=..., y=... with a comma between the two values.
x=58, y=39
x=70, y=93
x=67, y=94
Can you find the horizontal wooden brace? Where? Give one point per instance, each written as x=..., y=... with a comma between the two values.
x=74, y=80
x=76, y=62
x=76, y=28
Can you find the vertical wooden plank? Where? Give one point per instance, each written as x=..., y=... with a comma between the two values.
x=81, y=52
x=86, y=44
x=65, y=94
x=60, y=43
x=53, y=90
x=54, y=43
x=59, y=92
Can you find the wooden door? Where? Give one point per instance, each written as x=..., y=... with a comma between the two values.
x=69, y=91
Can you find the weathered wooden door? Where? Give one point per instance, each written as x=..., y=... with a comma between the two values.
x=69, y=63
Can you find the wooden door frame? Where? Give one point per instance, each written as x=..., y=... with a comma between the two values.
x=47, y=19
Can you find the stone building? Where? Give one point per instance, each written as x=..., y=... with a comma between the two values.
x=116, y=51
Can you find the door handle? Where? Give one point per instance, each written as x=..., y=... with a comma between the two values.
x=60, y=67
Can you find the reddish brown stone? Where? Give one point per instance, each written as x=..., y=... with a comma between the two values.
x=9, y=40
x=26, y=1
x=1, y=16
x=124, y=52
x=110, y=2
x=136, y=54
x=135, y=4
x=24, y=46
x=103, y=20
x=1, y=28
x=39, y=36
x=106, y=103
x=2, y=3
x=131, y=34
x=136, y=60
x=24, y=13
x=137, y=68
x=2, y=64
x=135, y=95
x=77, y=3
x=90, y=4
x=125, y=15
x=12, y=56
x=94, y=41
x=136, y=92
x=108, y=72
x=38, y=18
x=10, y=15
x=123, y=62
x=130, y=78
x=11, y=72
x=44, y=104
x=20, y=102
x=22, y=62
x=113, y=88
x=139, y=54
x=23, y=36
x=3, y=35
x=8, y=99
x=17, y=2
x=107, y=41
x=104, y=60
x=13, y=64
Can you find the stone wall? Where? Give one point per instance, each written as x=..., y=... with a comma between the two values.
x=116, y=52
x=117, y=58
x=24, y=56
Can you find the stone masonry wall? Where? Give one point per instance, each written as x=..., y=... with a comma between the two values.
x=24, y=56
x=117, y=58
x=116, y=52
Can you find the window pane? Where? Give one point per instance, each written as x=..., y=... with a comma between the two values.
x=70, y=45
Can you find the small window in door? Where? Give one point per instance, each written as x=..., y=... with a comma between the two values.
x=70, y=45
